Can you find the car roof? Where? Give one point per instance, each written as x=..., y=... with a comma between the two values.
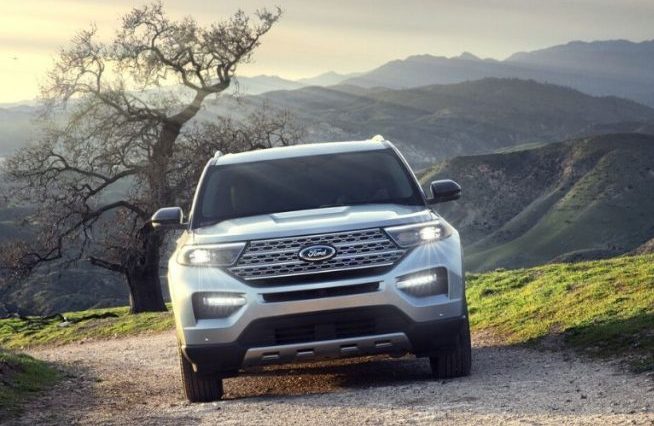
x=303, y=150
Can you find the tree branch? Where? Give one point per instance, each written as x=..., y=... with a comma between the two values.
x=106, y=264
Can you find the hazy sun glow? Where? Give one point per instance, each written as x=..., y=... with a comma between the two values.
x=340, y=35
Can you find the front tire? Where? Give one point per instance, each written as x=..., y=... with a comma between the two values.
x=454, y=362
x=199, y=387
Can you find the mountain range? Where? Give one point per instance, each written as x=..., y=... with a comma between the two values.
x=612, y=67
x=616, y=67
x=433, y=123
x=429, y=123
x=259, y=84
x=601, y=68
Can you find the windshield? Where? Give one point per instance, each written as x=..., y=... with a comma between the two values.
x=300, y=183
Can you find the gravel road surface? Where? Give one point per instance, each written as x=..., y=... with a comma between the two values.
x=136, y=381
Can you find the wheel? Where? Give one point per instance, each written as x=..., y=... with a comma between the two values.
x=454, y=362
x=199, y=387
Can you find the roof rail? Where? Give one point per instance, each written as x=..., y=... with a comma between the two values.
x=378, y=138
x=218, y=154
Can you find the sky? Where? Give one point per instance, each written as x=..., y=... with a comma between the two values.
x=328, y=35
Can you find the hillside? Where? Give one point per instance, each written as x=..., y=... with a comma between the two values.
x=258, y=84
x=647, y=247
x=618, y=58
x=614, y=67
x=329, y=78
x=434, y=123
x=73, y=288
x=587, y=198
x=603, y=308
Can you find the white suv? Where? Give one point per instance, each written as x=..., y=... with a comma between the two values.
x=314, y=251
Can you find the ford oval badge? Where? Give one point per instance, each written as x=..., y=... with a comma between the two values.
x=317, y=253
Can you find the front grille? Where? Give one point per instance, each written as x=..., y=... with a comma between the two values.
x=345, y=329
x=335, y=330
x=289, y=335
x=274, y=258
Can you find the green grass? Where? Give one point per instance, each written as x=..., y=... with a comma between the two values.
x=19, y=334
x=603, y=308
x=21, y=376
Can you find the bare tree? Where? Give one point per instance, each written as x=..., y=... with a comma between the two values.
x=118, y=146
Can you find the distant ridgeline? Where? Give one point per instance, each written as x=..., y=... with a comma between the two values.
x=434, y=123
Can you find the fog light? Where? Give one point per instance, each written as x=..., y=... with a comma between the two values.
x=426, y=283
x=217, y=305
x=224, y=300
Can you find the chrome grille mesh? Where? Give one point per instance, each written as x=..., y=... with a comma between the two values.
x=272, y=258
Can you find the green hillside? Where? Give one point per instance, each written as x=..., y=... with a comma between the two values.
x=604, y=308
x=582, y=199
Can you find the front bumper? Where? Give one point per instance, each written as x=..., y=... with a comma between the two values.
x=225, y=345
x=421, y=338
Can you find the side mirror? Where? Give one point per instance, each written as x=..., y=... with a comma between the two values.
x=444, y=190
x=168, y=217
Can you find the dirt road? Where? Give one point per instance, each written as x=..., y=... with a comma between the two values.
x=136, y=381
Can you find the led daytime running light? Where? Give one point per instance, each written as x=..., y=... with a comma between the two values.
x=224, y=300
x=420, y=280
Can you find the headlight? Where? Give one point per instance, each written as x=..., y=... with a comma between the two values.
x=420, y=233
x=210, y=255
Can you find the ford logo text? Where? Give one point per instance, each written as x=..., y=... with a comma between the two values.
x=317, y=253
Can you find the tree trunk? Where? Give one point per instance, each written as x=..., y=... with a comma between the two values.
x=143, y=264
x=145, y=291
x=143, y=275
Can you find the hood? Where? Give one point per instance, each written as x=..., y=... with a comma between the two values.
x=315, y=221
